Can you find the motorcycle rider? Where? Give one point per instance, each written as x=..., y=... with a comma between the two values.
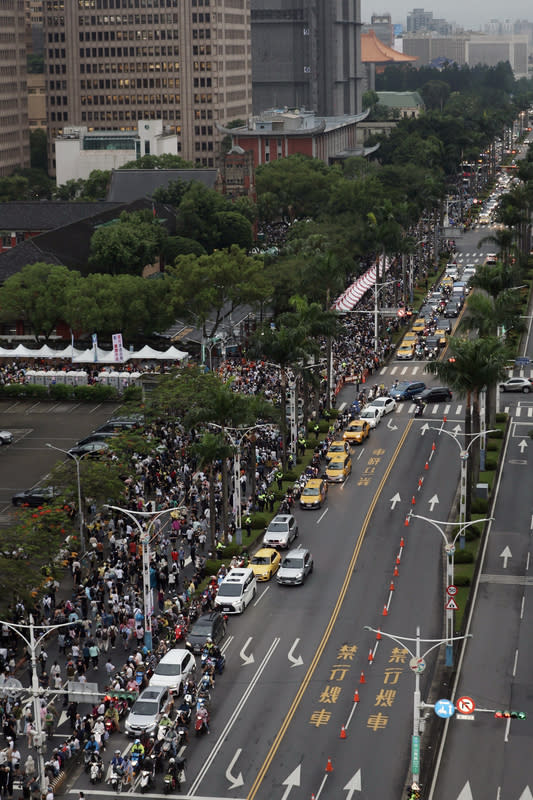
x=174, y=769
x=117, y=762
x=419, y=407
x=203, y=714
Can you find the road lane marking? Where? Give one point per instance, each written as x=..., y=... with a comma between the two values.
x=329, y=628
x=233, y=718
x=260, y=597
x=515, y=662
x=321, y=517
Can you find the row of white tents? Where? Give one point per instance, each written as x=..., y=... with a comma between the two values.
x=94, y=355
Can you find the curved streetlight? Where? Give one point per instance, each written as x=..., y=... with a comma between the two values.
x=36, y=691
x=145, y=539
x=77, y=460
x=449, y=549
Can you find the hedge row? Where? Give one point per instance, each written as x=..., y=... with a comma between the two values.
x=59, y=391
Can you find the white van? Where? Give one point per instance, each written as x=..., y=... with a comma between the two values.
x=236, y=591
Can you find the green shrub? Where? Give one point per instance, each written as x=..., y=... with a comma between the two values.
x=463, y=557
x=461, y=580
x=479, y=505
x=231, y=550
x=497, y=434
x=290, y=475
x=492, y=445
x=259, y=521
x=334, y=413
x=491, y=461
x=132, y=394
x=472, y=533
x=61, y=391
x=501, y=416
x=32, y=390
x=95, y=393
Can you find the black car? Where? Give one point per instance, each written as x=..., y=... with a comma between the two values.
x=211, y=625
x=96, y=436
x=91, y=449
x=434, y=394
x=452, y=310
x=39, y=496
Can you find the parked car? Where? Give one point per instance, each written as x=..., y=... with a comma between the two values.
x=295, y=567
x=405, y=390
x=211, y=625
x=517, y=385
x=39, y=496
x=97, y=448
x=434, y=394
x=283, y=529
x=6, y=437
x=147, y=710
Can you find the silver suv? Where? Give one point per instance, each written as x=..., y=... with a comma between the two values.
x=281, y=532
x=295, y=567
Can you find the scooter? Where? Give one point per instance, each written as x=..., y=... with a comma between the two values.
x=135, y=759
x=147, y=777
x=419, y=410
x=171, y=781
x=115, y=780
x=96, y=771
x=201, y=722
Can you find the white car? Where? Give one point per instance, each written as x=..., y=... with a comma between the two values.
x=6, y=437
x=386, y=404
x=371, y=414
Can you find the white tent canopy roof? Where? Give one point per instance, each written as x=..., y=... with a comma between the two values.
x=69, y=353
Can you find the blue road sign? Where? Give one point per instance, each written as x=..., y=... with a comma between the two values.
x=444, y=708
x=522, y=361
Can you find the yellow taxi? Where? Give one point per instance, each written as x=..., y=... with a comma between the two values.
x=357, y=431
x=406, y=352
x=265, y=563
x=314, y=493
x=419, y=325
x=410, y=338
x=338, y=446
x=447, y=282
x=441, y=333
x=339, y=468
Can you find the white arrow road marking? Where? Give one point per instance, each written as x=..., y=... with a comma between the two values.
x=424, y=428
x=526, y=794
x=522, y=445
x=391, y=427
x=432, y=502
x=395, y=499
x=247, y=659
x=292, y=780
x=353, y=785
x=506, y=555
x=62, y=718
x=457, y=429
x=233, y=718
x=465, y=793
x=295, y=662
x=238, y=781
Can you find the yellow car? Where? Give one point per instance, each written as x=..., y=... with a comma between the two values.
x=357, y=431
x=410, y=338
x=446, y=282
x=339, y=468
x=441, y=333
x=265, y=563
x=314, y=493
x=406, y=352
x=338, y=446
x=419, y=325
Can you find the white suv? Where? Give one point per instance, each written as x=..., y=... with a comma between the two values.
x=282, y=530
x=236, y=591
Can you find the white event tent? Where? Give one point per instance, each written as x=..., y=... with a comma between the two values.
x=76, y=356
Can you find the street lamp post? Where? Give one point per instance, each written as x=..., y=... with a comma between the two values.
x=449, y=549
x=417, y=665
x=33, y=643
x=236, y=443
x=145, y=539
x=76, y=460
x=463, y=455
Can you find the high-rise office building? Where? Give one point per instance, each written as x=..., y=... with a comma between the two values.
x=110, y=63
x=307, y=54
x=14, y=134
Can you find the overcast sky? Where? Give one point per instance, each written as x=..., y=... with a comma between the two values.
x=468, y=14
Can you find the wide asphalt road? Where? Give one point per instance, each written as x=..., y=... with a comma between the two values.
x=295, y=657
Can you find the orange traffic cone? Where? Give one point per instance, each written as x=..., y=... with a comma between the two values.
x=391, y=587
x=420, y=482
x=413, y=501
x=402, y=542
x=370, y=657
x=385, y=611
x=433, y=446
x=378, y=635
x=397, y=560
x=395, y=573
x=362, y=679
x=356, y=696
x=343, y=732
x=445, y=419
x=329, y=766
x=427, y=465
x=406, y=523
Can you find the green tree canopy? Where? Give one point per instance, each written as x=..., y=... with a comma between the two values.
x=127, y=244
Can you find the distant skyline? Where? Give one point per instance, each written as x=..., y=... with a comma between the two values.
x=468, y=15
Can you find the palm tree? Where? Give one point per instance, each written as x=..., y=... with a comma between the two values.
x=473, y=365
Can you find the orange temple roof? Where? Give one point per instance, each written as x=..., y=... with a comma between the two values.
x=374, y=51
